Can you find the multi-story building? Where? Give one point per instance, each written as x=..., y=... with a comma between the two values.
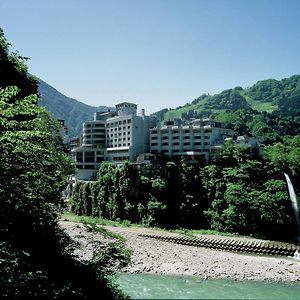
x=195, y=141
x=112, y=136
x=125, y=135
x=91, y=150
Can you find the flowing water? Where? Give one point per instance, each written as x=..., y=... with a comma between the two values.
x=146, y=286
x=294, y=202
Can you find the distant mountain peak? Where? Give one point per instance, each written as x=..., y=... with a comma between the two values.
x=71, y=110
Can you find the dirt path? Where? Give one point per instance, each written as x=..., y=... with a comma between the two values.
x=161, y=257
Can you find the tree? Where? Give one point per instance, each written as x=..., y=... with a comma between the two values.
x=36, y=261
x=285, y=156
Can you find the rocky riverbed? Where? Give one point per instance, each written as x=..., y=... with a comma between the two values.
x=161, y=257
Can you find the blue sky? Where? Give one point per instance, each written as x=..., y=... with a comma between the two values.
x=156, y=53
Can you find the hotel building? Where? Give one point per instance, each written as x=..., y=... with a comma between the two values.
x=124, y=135
x=112, y=136
x=196, y=141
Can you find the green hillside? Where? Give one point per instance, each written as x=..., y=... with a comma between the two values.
x=268, y=110
x=62, y=107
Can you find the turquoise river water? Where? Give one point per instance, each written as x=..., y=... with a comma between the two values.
x=146, y=286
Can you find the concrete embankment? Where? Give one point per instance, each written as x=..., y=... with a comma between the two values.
x=209, y=256
x=251, y=246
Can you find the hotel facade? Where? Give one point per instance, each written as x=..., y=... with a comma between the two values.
x=196, y=141
x=116, y=137
x=124, y=135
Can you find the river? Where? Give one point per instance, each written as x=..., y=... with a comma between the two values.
x=146, y=286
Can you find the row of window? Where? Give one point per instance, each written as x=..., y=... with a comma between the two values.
x=94, y=125
x=174, y=151
x=196, y=137
x=177, y=143
x=94, y=136
x=95, y=131
x=117, y=145
x=119, y=128
x=117, y=134
x=113, y=124
x=189, y=131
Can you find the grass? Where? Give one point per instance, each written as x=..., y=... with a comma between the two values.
x=191, y=232
x=95, y=222
x=261, y=106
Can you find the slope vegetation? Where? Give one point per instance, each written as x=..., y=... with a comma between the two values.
x=60, y=106
x=267, y=110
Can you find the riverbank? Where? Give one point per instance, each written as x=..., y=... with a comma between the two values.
x=166, y=258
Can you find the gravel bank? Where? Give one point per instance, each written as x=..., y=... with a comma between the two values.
x=160, y=257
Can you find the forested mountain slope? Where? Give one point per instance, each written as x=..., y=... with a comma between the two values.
x=268, y=110
x=60, y=106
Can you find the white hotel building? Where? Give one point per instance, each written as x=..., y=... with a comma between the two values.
x=197, y=141
x=125, y=135
x=112, y=136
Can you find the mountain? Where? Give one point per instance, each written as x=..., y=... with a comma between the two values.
x=268, y=110
x=72, y=111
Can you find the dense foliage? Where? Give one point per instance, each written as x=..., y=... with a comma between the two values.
x=34, y=251
x=269, y=110
x=234, y=195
